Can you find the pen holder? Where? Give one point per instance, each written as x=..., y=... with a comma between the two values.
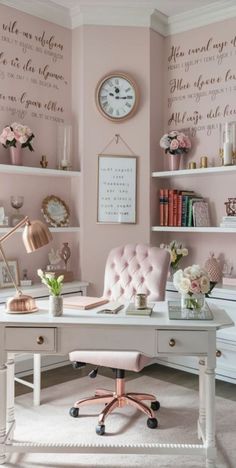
x=140, y=301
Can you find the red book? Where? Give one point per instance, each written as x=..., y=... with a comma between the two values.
x=162, y=201
x=166, y=202
x=170, y=207
x=179, y=210
x=175, y=201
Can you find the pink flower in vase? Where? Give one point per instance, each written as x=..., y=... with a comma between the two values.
x=195, y=287
x=174, y=144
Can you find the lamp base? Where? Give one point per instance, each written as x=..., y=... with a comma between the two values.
x=21, y=304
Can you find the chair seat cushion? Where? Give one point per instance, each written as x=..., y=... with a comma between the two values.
x=127, y=360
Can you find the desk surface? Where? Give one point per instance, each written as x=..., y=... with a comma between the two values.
x=159, y=318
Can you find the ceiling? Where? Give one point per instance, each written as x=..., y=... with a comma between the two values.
x=167, y=7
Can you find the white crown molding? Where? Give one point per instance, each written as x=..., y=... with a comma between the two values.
x=111, y=16
x=140, y=13
x=218, y=11
x=42, y=9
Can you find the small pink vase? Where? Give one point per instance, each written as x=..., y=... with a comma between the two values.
x=16, y=155
x=174, y=161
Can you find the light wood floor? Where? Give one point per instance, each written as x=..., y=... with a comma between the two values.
x=65, y=373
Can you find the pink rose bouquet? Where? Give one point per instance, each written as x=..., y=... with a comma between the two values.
x=175, y=143
x=17, y=133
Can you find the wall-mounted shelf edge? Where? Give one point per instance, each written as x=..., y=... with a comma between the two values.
x=222, y=170
x=68, y=229
x=37, y=171
x=212, y=229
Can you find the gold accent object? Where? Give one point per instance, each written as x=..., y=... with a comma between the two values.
x=55, y=211
x=192, y=165
x=35, y=235
x=44, y=162
x=218, y=353
x=203, y=162
x=40, y=340
x=172, y=342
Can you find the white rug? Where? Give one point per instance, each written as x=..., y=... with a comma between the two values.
x=177, y=423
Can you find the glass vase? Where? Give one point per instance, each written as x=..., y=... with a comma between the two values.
x=192, y=301
x=64, y=146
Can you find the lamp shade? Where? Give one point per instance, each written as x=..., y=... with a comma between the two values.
x=35, y=235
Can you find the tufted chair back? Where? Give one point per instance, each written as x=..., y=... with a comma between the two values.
x=136, y=268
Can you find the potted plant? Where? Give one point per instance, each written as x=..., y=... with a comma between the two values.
x=55, y=287
x=175, y=144
x=16, y=136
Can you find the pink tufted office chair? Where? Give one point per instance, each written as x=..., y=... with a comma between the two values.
x=129, y=269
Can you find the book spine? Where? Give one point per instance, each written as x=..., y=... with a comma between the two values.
x=161, y=200
x=165, y=207
x=175, y=202
x=184, y=210
x=179, y=210
x=171, y=208
x=190, y=213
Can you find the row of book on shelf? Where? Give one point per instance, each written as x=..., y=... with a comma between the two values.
x=183, y=208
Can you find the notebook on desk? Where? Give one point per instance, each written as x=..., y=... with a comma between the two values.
x=84, y=302
x=132, y=310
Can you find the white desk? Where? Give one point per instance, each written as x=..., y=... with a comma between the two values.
x=87, y=330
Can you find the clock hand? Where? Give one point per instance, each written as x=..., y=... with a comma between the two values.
x=121, y=97
x=111, y=94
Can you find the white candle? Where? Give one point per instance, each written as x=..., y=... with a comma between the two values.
x=228, y=147
x=64, y=163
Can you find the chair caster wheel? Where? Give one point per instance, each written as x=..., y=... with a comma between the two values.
x=155, y=405
x=152, y=423
x=100, y=429
x=74, y=412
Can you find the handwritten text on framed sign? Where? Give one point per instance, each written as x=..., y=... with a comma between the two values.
x=117, y=189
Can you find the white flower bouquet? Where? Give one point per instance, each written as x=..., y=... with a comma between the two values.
x=192, y=280
x=54, y=284
x=177, y=251
x=175, y=143
x=17, y=133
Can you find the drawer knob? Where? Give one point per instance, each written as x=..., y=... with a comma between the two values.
x=218, y=353
x=40, y=340
x=172, y=342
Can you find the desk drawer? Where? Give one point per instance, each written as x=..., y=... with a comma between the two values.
x=30, y=339
x=182, y=342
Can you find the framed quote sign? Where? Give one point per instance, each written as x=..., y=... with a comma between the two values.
x=117, y=189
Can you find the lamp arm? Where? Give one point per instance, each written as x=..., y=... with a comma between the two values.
x=17, y=226
x=9, y=271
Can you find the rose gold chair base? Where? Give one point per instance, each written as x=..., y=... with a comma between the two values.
x=117, y=399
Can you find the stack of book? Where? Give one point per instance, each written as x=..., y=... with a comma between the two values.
x=182, y=208
x=228, y=222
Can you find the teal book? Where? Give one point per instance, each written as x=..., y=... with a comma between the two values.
x=190, y=210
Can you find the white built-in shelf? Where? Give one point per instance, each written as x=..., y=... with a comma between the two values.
x=37, y=171
x=52, y=229
x=212, y=229
x=193, y=172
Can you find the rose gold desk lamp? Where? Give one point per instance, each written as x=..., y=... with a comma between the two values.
x=35, y=235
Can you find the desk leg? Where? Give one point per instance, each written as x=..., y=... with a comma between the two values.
x=37, y=379
x=210, y=402
x=3, y=411
x=10, y=394
x=202, y=398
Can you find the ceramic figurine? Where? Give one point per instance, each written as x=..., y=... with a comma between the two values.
x=213, y=268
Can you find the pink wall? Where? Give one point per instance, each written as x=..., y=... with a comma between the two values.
x=192, y=58
x=22, y=42
x=103, y=50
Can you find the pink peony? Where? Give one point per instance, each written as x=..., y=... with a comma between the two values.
x=195, y=287
x=174, y=144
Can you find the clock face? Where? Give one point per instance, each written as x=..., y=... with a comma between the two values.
x=116, y=97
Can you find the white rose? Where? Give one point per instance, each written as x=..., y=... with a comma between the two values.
x=204, y=284
x=184, y=252
x=178, y=275
x=50, y=275
x=188, y=272
x=195, y=271
x=184, y=285
x=23, y=139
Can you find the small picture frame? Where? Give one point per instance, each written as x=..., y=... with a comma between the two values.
x=117, y=179
x=5, y=279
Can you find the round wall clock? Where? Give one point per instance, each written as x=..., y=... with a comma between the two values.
x=117, y=97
